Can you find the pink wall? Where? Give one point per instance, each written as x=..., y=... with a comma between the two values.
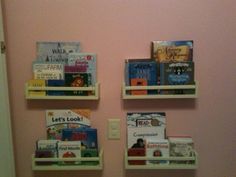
x=119, y=29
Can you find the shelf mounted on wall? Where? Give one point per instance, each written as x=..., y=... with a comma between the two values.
x=160, y=88
x=94, y=90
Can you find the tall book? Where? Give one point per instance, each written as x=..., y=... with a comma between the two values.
x=56, y=52
x=86, y=63
x=172, y=51
x=59, y=119
x=143, y=125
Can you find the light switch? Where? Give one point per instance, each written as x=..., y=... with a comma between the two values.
x=114, y=129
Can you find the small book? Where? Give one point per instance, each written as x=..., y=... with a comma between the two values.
x=136, y=152
x=139, y=82
x=36, y=83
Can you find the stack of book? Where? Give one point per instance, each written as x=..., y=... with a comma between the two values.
x=62, y=64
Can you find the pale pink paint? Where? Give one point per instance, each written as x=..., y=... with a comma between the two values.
x=120, y=29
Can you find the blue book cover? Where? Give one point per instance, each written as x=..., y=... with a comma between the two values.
x=55, y=83
x=87, y=136
x=143, y=69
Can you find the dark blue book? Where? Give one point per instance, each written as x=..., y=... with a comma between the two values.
x=55, y=83
x=87, y=136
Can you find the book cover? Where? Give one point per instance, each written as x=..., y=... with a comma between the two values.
x=56, y=52
x=181, y=146
x=55, y=83
x=136, y=152
x=139, y=82
x=89, y=153
x=50, y=145
x=36, y=83
x=172, y=51
x=87, y=136
x=143, y=69
x=48, y=71
x=58, y=119
x=78, y=80
x=157, y=148
x=69, y=149
x=177, y=73
x=143, y=125
x=86, y=62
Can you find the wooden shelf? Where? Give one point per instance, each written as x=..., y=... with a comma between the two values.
x=173, y=166
x=160, y=88
x=95, y=89
x=57, y=166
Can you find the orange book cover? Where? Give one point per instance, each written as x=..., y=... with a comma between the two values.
x=138, y=82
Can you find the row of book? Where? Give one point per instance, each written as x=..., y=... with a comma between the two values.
x=69, y=134
x=61, y=64
x=146, y=136
x=171, y=63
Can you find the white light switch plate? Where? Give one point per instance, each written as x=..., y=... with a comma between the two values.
x=114, y=129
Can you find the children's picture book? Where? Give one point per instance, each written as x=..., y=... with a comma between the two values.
x=48, y=71
x=36, y=83
x=87, y=136
x=181, y=146
x=55, y=83
x=172, y=51
x=58, y=119
x=136, y=152
x=138, y=82
x=50, y=145
x=143, y=125
x=56, y=52
x=141, y=69
x=69, y=149
x=86, y=63
x=157, y=148
x=89, y=153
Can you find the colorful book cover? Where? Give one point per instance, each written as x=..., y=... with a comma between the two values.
x=78, y=80
x=89, y=153
x=172, y=51
x=87, y=136
x=69, y=149
x=36, y=83
x=136, y=152
x=58, y=119
x=50, y=145
x=48, y=71
x=143, y=69
x=55, y=83
x=87, y=63
x=157, y=148
x=138, y=82
x=56, y=52
x=143, y=125
x=181, y=146
x=177, y=73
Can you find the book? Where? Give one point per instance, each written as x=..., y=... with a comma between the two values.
x=48, y=71
x=177, y=73
x=86, y=62
x=138, y=82
x=56, y=52
x=89, y=153
x=157, y=148
x=172, y=51
x=69, y=149
x=87, y=136
x=55, y=83
x=50, y=145
x=41, y=153
x=136, y=152
x=143, y=125
x=142, y=69
x=58, y=119
x=181, y=146
x=36, y=83
x=78, y=80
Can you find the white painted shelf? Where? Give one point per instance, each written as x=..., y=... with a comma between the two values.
x=56, y=163
x=127, y=89
x=94, y=89
x=174, y=166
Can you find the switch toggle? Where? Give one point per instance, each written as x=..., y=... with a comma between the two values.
x=114, y=129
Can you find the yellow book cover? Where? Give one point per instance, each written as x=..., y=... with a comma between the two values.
x=37, y=83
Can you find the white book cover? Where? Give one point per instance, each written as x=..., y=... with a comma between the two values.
x=69, y=149
x=56, y=51
x=58, y=119
x=143, y=125
x=48, y=71
x=157, y=148
x=87, y=63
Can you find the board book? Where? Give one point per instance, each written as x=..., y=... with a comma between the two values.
x=58, y=119
x=36, y=83
x=172, y=51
